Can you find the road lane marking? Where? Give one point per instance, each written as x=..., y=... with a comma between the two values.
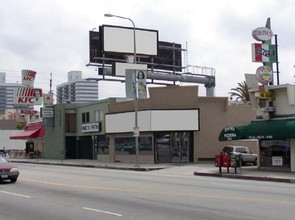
x=237, y=198
x=101, y=211
x=15, y=194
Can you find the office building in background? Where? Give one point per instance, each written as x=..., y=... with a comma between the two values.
x=77, y=89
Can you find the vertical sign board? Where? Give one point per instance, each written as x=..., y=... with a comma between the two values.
x=141, y=83
x=130, y=83
x=135, y=82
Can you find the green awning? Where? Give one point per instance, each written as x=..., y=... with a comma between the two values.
x=260, y=129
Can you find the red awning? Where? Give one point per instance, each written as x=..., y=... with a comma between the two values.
x=35, y=130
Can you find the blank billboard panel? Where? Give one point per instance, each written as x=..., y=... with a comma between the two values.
x=121, y=40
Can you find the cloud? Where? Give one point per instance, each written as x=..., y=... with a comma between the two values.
x=52, y=36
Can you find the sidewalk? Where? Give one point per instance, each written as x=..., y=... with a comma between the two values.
x=91, y=163
x=199, y=169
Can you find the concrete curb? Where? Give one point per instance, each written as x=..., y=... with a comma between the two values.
x=91, y=166
x=246, y=177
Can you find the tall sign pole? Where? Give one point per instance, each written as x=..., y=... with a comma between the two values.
x=265, y=53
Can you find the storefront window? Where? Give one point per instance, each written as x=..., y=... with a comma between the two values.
x=275, y=153
x=126, y=145
x=101, y=144
x=70, y=120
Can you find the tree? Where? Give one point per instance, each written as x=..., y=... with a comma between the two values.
x=241, y=93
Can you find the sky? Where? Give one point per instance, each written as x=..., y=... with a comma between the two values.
x=52, y=36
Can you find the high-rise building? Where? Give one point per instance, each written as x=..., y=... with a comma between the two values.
x=7, y=95
x=77, y=89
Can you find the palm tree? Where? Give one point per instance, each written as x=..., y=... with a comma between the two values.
x=241, y=92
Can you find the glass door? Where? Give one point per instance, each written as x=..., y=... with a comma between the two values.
x=172, y=147
x=162, y=146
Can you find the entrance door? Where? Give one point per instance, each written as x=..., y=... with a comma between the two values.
x=180, y=149
x=162, y=146
x=70, y=148
x=173, y=147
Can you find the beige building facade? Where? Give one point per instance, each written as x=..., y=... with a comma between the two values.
x=175, y=124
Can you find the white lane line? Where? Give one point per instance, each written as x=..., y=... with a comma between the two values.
x=105, y=212
x=15, y=194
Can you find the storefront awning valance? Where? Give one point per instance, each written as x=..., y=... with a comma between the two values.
x=35, y=130
x=260, y=129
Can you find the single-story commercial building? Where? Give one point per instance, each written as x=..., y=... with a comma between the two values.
x=175, y=125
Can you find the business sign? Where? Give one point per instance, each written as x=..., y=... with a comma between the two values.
x=91, y=127
x=277, y=161
x=27, y=96
x=264, y=53
x=28, y=112
x=262, y=34
x=265, y=95
x=28, y=77
x=47, y=112
x=264, y=75
x=48, y=99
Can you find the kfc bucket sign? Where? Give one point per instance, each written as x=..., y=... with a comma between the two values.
x=28, y=77
x=28, y=96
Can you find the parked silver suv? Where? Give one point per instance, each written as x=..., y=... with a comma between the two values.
x=246, y=155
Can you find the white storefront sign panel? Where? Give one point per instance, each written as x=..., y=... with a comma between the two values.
x=154, y=120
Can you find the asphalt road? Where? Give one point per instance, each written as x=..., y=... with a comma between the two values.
x=45, y=192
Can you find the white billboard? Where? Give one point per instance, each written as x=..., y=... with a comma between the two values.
x=121, y=40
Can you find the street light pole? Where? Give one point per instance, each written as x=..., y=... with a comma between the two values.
x=136, y=127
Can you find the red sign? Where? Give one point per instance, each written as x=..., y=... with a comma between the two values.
x=28, y=112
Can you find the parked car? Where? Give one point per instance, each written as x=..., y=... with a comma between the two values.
x=246, y=155
x=8, y=171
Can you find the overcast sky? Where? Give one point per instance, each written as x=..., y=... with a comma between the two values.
x=51, y=36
